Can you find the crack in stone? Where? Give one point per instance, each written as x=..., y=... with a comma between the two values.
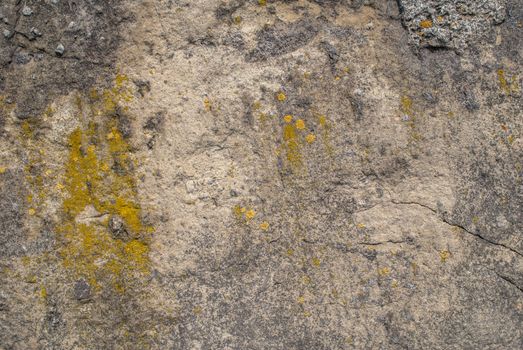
x=380, y=243
x=448, y=222
x=510, y=281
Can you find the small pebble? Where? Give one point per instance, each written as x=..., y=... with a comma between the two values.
x=26, y=11
x=7, y=33
x=36, y=32
x=60, y=49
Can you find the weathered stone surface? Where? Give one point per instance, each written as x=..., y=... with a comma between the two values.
x=296, y=174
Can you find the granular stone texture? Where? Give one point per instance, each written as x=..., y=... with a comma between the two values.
x=261, y=174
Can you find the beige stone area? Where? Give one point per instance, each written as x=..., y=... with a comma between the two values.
x=270, y=175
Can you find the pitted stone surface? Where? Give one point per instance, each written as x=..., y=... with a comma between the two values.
x=257, y=174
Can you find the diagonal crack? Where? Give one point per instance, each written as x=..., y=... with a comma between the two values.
x=450, y=223
x=509, y=281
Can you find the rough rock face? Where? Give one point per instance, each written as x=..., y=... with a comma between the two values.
x=451, y=24
x=261, y=174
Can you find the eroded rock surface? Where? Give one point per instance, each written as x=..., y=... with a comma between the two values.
x=261, y=174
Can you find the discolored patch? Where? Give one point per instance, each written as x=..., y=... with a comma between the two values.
x=282, y=38
x=88, y=32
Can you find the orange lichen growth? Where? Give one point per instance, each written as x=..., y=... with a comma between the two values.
x=425, y=24
x=287, y=118
x=310, y=138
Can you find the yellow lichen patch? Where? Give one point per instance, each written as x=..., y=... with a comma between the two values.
x=250, y=214
x=316, y=262
x=197, y=310
x=425, y=24
x=237, y=19
x=384, y=271
x=43, y=292
x=307, y=314
x=292, y=147
x=503, y=81
x=409, y=115
x=287, y=118
x=310, y=138
x=26, y=260
x=129, y=212
x=444, y=255
x=281, y=96
x=2, y=169
x=262, y=2
x=361, y=225
x=137, y=254
x=238, y=211
x=300, y=299
x=264, y=226
x=290, y=252
x=300, y=124
x=394, y=284
x=325, y=127
x=112, y=98
x=243, y=214
x=306, y=280
x=99, y=174
x=406, y=105
x=505, y=85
